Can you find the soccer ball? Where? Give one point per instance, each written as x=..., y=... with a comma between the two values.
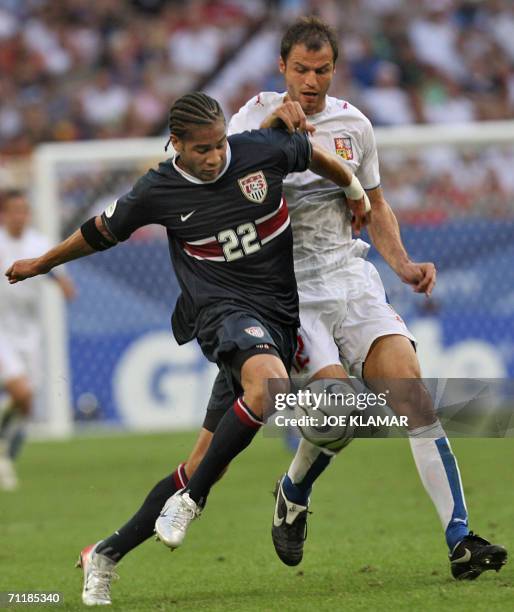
x=323, y=412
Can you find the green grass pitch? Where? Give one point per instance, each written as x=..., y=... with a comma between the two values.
x=375, y=542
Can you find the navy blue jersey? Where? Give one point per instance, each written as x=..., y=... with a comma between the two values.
x=230, y=239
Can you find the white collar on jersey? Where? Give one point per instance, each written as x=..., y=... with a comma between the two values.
x=197, y=181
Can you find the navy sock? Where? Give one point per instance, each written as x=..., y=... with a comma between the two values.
x=141, y=526
x=299, y=492
x=234, y=433
x=17, y=442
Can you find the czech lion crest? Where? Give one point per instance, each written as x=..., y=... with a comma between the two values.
x=344, y=148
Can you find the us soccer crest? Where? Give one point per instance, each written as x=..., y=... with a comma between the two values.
x=257, y=332
x=254, y=186
x=344, y=148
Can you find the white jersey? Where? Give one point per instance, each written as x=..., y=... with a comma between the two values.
x=19, y=303
x=320, y=219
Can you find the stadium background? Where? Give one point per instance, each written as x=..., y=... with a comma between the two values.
x=74, y=71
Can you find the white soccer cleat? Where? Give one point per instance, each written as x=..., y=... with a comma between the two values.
x=172, y=524
x=98, y=576
x=8, y=478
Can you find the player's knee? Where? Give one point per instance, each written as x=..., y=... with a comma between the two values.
x=414, y=401
x=406, y=366
x=411, y=368
x=22, y=399
x=259, y=394
x=256, y=396
x=25, y=405
x=261, y=378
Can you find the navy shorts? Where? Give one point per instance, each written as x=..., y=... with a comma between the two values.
x=222, y=336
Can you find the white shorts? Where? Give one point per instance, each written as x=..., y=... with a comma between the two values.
x=342, y=313
x=20, y=359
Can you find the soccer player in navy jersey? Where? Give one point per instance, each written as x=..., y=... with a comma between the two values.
x=230, y=241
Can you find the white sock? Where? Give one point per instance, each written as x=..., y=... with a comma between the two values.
x=306, y=455
x=440, y=475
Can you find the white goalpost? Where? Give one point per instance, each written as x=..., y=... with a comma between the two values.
x=48, y=160
x=110, y=358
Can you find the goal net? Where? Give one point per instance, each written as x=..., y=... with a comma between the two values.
x=110, y=355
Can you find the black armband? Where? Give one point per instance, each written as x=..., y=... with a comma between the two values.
x=94, y=237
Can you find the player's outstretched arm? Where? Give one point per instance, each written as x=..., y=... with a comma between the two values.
x=72, y=248
x=329, y=166
x=384, y=232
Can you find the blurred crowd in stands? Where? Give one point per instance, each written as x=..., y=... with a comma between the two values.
x=76, y=69
x=440, y=183
x=428, y=61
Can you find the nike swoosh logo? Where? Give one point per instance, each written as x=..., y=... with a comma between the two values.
x=186, y=217
x=465, y=557
x=277, y=520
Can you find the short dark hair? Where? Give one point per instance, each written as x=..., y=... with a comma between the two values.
x=311, y=32
x=193, y=109
x=11, y=194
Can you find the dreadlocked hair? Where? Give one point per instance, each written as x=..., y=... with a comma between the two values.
x=191, y=110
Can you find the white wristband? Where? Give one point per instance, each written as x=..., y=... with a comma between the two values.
x=354, y=190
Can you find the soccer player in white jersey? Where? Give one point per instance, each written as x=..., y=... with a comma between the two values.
x=20, y=332
x=343, y=309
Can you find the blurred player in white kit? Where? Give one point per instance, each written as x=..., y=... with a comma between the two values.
x=20, y=330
